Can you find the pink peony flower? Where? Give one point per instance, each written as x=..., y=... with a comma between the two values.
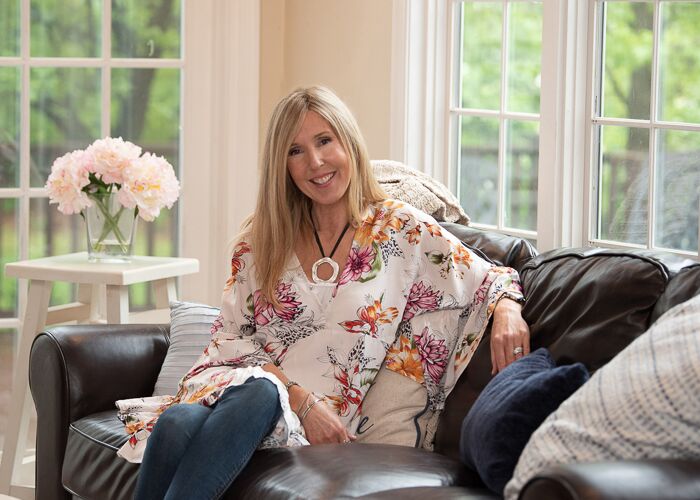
x=149, y=183
x=421, y=298
x=69, y=175
x=433, y=353
x=359, y=262
x=112, y=157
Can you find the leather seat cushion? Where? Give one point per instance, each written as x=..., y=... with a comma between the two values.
x=92, y=469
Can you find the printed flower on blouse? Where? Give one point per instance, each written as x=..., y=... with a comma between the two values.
x=460, y=255
x=433, y=229
x=433, y=354
x=413, y=235
x=288, y=310
x=237, y=263
x=370, y=317
x=360, y=262
x=405, y=360
x=349, y=395
x=421, y=298
x=377, y=228
x=217, y=325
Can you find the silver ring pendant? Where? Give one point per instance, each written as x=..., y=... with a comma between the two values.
x=326, y=260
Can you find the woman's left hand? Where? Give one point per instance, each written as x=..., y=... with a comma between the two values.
x=510, y=335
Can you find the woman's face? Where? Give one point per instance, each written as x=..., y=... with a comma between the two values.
x=318, y=163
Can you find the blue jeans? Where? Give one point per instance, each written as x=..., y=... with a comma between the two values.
x=195, y=452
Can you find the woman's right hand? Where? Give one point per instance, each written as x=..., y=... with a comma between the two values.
x=322, y=425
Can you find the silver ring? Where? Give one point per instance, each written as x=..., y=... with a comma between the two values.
x=517, y=350
x=346, y=441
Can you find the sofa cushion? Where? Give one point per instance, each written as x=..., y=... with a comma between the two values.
x=91, y=468
x=510, y=408
x=644, y=404
x=190, y=332
x=345, y=471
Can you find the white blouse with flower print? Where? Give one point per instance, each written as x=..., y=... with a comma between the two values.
x=411, y=296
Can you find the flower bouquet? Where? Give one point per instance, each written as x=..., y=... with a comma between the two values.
x=110, y=183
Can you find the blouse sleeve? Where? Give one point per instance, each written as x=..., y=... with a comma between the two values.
x=449, y=304
x=235, y=340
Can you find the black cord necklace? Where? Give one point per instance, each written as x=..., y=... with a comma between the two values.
x=326, y=260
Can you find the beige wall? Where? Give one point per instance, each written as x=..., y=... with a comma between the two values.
x=345, y=45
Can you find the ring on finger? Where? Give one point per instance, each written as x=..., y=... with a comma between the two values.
x=517, y=350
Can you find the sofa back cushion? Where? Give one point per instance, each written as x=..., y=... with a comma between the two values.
x=583, y=304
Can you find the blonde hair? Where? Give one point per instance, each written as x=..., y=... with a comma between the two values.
x=282, y=210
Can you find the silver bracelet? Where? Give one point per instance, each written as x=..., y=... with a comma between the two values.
x=290, y=383
x=308, y=409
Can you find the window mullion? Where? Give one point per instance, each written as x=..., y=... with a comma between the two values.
x=24, y=144
x=653, y=134
x=106, y=75
x=502, y=131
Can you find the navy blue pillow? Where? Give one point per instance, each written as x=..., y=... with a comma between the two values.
x=509, y=409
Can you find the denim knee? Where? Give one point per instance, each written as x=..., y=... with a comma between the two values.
x=180, y=420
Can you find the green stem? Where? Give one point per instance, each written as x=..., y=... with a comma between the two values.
x=111, y=224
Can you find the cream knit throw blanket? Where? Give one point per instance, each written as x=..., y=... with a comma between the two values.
x=420, y=190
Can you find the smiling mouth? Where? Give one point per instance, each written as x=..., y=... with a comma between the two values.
x=320, y=181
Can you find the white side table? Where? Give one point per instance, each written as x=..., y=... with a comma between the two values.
x=94, y=280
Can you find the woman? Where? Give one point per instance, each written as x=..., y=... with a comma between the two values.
x=329, y=280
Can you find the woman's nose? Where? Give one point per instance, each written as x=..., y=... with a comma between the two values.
x=315, y=159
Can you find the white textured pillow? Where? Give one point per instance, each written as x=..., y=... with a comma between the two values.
x=190, y=332
x=645, y=403
x=394, y=411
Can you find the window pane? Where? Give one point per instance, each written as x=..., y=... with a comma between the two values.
x=157, y=238
x=9, y=28
x=9, y=252
x=65, y=115
x=8, y=339
x=66, y=28
x=146, y=29
x=481, y=54
x=679, y=63
x=627, y=59
x=624, y=184
x=146, y=111
x=53, y=233
x=478, y=172
x=524, y=57
x=677, y=190
x=521, y=174
x=9, y=126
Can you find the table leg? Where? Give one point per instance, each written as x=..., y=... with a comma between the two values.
x=165, y=292
x=117, y=304
x=16, y=434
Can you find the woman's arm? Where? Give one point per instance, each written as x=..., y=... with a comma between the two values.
x=508, y=332
x=321, y=424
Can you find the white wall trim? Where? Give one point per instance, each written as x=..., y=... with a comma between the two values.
x=221, y=88
x=564, y=122
x=420, y=49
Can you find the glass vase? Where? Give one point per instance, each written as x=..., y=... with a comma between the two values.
x=110, y=229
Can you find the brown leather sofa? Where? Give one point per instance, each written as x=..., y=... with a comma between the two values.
x=584, y=304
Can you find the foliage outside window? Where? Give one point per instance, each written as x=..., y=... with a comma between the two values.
x=495, y=111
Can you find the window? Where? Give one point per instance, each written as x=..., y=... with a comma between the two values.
x=570, y=123
x=646, y=125
x=495, y=113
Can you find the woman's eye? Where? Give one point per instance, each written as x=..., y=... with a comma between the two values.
x=324, y=140
x=294, y=151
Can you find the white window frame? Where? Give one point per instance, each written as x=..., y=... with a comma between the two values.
x=421, y=47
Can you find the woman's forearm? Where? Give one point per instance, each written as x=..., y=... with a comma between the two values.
x=297, y=394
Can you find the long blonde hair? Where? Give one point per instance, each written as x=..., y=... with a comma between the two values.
x=282, y=210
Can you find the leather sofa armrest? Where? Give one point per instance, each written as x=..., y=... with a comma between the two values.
x=617, y=480
x=78, y=370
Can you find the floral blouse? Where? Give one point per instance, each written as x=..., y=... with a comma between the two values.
x=411, y=296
